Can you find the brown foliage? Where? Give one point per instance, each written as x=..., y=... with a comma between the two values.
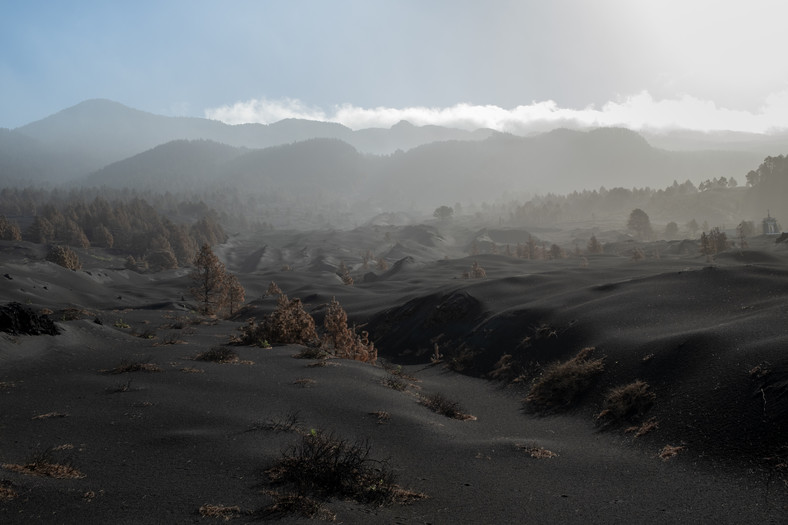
x=342, y=340
x=561, y=383
x=625, y=402
x=289, y=323
x=9, y=230
x=213, y=287
x=65, y=257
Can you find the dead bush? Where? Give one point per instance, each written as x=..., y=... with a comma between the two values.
x=44, y=464
x=626, y=402
x=289, y=323
x=562, y=383
x=445, y=407
x=342, y=340
x=218, y=354
x=220, y=511
x=289, y=503
x=143, y=365
x=324, y=466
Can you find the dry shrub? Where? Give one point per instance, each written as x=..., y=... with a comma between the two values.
x=562, y=383
x=43, y=464
x=50, y=415
x=219, y=511
x=644, y=428
x=64, y=256
x=218, y=354
x=382, y=416
x=505, y=369
x=304, y=382
x=289, y=422
x=296, y=504
x=626, y=402
x=669, y=451
x=7, y=492
x=324, y=466
x=343, y=341
x=289, y=323
x=133, y=366
x=445, y=407
x=537, y=452
x=395, y=383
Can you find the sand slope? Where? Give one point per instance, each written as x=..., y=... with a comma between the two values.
x=155, y=446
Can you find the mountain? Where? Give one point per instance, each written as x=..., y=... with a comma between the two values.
x=306, y=172
x=330, y=170
x=174, y=166
x=98, y=132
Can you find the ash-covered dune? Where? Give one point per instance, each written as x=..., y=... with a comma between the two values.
x=153, y=434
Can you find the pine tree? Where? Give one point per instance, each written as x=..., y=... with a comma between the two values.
x=235, y=293
x=208, y=281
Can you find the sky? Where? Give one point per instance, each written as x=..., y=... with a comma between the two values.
x=503, y=64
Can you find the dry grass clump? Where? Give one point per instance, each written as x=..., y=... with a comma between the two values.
x=50, y=415
x=342, y=340
x=382, y=416
x=7, y=492
x=143, y=365
x=289, y=422
x=395, y=383
x=289, y=503
x=313, y=352
x=43, y=464
x=220, y=511
x=562, y=383
x=304, y=382
x=670, y=451
x=218, y=354
x=445, y=407
x=322, y=465
x=626, y=402
x=644, y=428
x=537, y=452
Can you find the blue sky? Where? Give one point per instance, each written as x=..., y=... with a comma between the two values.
x=499, y=63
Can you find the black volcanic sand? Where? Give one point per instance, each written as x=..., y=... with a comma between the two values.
x=708, y=337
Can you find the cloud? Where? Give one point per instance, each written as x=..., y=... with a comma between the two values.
x=639, y=111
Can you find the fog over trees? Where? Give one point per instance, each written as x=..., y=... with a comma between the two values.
x=304, y=174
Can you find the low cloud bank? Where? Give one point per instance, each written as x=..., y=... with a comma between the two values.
x=640, y=111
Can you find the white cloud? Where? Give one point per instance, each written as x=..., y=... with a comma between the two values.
x=639, y=111
x=265, y=111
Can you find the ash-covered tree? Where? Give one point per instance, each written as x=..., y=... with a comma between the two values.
x=671, y=230
x=208, y=281
x=9, y=230
x=594, y=246
x=693, y=227
x=744, y=230
x=443, y=212
x=640, y=224
x=235, y=293
x=64, y=256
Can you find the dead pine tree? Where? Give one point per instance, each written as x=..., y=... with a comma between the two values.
x=208, y=281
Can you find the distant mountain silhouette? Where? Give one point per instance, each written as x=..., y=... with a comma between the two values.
x=174, y=166
x=405, y=167
x=96, y=133
x=319, y=170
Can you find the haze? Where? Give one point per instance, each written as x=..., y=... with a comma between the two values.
x=507, y=65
